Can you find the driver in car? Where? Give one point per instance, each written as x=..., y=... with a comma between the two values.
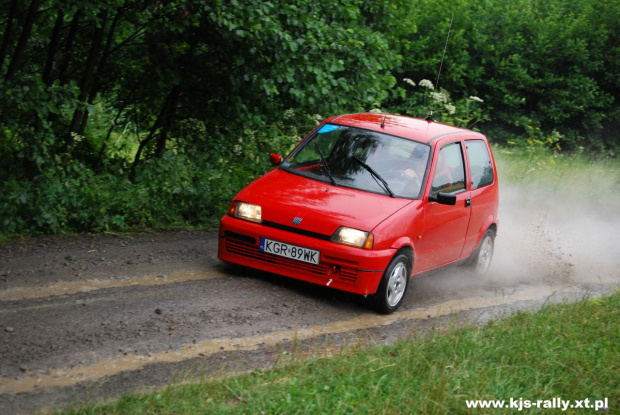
x=415, y=169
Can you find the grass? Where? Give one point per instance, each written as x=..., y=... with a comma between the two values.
x=571, y=351
x=579, y=173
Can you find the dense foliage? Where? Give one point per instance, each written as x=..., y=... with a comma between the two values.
x=145, y=113
x=551, y=66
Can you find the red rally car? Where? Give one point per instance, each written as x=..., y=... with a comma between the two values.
x=366, y=201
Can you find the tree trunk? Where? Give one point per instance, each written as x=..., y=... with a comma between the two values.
x=20, y=49
x=8, y=31
x=52, y=48
x=105, y=54
x=163, y=120
x=86, y=84
x=66, y=49
x=160, y=148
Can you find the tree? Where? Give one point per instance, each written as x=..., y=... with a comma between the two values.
x=234, y=65
x=551, y=65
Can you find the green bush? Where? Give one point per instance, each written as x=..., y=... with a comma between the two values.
x=181, y=188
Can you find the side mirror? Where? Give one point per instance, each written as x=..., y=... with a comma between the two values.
x=443, y=198
x=275, y=159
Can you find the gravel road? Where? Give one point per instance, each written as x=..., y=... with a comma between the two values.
x=89, y=317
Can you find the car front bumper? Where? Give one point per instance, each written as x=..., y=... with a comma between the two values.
x=341, y=267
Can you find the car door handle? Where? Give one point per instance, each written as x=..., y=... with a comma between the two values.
x=467, y=202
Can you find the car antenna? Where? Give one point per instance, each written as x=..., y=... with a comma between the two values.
x=430, y=117
x=383, y=122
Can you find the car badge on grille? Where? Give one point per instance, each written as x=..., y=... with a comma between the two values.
x=297, y=221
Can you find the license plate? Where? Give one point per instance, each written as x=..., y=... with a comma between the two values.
x=289, y=251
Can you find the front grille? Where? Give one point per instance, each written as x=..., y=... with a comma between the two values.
x=348, y=274
x=296, y=230
x=238, y=246
x=240, y=237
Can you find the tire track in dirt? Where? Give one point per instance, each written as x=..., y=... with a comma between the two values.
x=32, y=380
x=72, y=287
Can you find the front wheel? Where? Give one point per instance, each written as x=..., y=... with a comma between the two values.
x=393, y=285
x=481, y=259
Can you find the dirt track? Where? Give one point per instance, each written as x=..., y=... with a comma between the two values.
x=86, y=318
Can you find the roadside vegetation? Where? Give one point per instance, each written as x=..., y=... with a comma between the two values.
x=567, y=351
x=132, y=114
x=580, y=174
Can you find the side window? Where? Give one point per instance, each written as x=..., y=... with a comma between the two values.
x=450, y=171
x=480, y=165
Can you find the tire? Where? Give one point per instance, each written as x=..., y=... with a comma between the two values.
x=393, y=285
x=482, y=256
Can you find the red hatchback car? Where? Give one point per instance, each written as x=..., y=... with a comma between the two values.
x=364, y=202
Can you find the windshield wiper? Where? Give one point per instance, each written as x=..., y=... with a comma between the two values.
x=375, y=174
x=329, y=173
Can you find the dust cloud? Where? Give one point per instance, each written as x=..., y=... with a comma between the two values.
x=552, y=238
x=557, y=235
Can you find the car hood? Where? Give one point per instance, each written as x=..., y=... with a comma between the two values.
x=322, y=207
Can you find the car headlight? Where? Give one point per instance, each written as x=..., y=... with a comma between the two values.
x=353, y=237
x=246, y=211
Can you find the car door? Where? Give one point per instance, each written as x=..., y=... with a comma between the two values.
x=445, y=227
x=484, y=191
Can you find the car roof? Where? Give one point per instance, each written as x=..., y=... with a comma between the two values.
x=400, y=125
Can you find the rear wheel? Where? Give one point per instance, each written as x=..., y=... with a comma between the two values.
x=393, y=285
x=481, y=259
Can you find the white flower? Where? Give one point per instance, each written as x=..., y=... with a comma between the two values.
x=408, y=81
x=473, y=98
x=451, y=108
x=426, y=84
x=439, y=97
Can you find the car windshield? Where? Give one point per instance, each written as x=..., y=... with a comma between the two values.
x=362, y=159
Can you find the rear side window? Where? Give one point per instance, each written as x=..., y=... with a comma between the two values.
x=479, y=163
